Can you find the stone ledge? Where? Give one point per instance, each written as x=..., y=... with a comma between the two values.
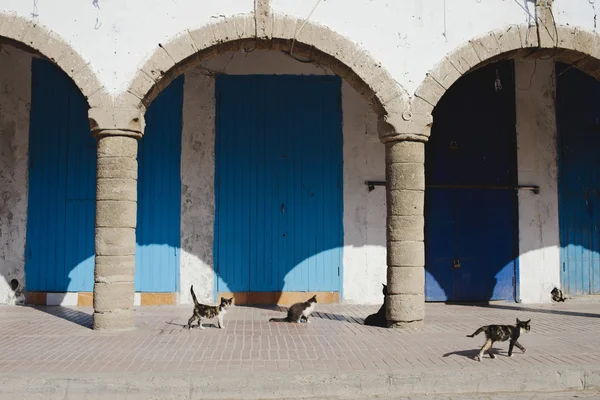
x=312, y=385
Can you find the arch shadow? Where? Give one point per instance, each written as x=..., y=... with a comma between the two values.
x=451, y=90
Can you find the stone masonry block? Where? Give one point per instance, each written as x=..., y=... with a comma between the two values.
x=445, y=73
x=116, y=214
x=430, y=90
x=284, y=27
x=404, y=152
x=566, y=36
x=386, y=89
x=420, y=106
x=508, y=39
x=405, y=176
x=486, y=46
x=110, y=269
x=87, y=81
x=117, y=320
x=245, y=26
x=117, y=146
x=116, y=189
x=464, y=58
x=37, y=37
x=115, y=241
x=402, y=228
x=586, y=42
x=6, y=22
x=405, y=254
x=405, y=202
x=180, y=47
x=406, y=280
x=16, y=28
x=158, y=64
x=141, y=85
x=120, y=121
x=224, y=30
x=117, y=167
x=528, y=35
x=113, y=296
x=203, y=38
x=405, y=307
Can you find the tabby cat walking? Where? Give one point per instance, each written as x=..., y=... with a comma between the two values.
x=501, y=333
x=203, y=311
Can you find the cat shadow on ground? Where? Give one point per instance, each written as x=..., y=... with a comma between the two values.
x=471, y=354
x=194, y=325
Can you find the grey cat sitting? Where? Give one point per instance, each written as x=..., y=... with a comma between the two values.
x=501, y=333
x=379, y=319
x=299, y=311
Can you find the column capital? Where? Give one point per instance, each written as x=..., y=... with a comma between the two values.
x=116, y=121
x=410, y=130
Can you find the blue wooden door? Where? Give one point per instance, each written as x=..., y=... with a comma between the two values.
x=159, y=194
x=278, y=183
x=62, y=191
x=578, y=118
x=470, y=201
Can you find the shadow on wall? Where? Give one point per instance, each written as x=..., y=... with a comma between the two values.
x=307, y=212
x=471, y=230
x=471, y=219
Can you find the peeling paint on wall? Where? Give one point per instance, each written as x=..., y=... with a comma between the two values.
x=15, y=91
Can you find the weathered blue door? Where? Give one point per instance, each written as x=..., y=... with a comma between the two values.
x=59, y=255
x=278, y=183
x=470, y=201
x=578, y=117
x=159, y=194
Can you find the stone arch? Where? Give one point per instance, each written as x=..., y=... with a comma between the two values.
x=570, y=45
x=33, y=37
x=278, y=32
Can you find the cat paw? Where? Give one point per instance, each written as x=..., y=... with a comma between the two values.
x=524, y=350
x=510, y=355
x=492, y=356
x=477, y=358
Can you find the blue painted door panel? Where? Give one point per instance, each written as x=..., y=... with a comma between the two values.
x=62, y=190
x=578, y=116
x=159, y=194
x=278, y=183
x=470, y=218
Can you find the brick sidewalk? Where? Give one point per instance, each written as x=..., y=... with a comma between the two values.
x=55, y=339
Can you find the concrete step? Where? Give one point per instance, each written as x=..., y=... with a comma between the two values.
x=319, y=384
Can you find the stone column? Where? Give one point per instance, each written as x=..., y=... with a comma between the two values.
x=405, y=189
x=116, y=215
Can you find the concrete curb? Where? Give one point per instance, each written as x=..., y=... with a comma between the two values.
x=319, y=384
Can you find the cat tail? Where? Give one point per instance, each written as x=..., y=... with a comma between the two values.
x=194, y=295
x=278, y=319
x=477, y=332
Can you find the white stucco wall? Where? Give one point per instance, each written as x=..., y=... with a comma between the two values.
x=15, y=95
x=117, y=36
x=539, y=260
x=364, y=213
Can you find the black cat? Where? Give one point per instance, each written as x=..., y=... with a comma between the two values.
x=557, y=295
x=501, y=333
x=379, y=319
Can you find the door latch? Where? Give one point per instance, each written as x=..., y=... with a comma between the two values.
x=456, y=263
x=282, y=208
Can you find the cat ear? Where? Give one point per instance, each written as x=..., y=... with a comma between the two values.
x=222, y=299
x=527, y=322
x=518, y=321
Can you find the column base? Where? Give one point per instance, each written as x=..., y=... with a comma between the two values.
x=414, y=325
x=120, y=320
